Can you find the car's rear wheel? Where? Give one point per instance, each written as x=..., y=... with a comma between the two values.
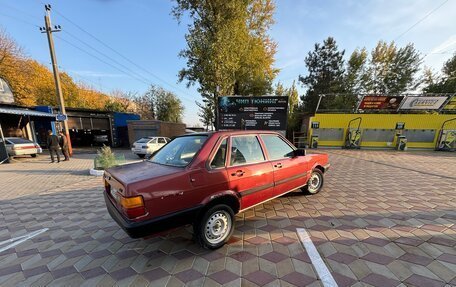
x=141, y=155
x=33, y=155
x=215, y=227
x=315, y=182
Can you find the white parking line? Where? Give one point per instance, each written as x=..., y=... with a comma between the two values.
x=322, y=270
x=20, y=239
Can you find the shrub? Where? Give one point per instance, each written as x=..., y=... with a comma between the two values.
x=105, y=158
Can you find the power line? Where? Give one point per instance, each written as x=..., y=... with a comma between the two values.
x=101, y=60
x=421, y=20
x=19, y=19
x=108, y=57
x=119, y=54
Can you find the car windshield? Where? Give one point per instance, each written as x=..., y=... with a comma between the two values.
x=143, y=140
x=180, y=151
x=19, y=141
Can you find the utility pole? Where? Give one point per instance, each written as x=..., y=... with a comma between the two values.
x=49, y=30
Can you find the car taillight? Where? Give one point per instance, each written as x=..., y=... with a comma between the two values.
x=133, y=206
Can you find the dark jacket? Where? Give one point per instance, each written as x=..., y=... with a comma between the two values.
x=63, y=142
x=53, y=141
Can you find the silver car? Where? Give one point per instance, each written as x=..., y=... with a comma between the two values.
x=20, y=146
x=147, y=146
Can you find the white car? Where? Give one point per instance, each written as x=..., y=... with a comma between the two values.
x=21, y=146
x=147, y=146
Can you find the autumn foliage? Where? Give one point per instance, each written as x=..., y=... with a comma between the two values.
x=33, y=84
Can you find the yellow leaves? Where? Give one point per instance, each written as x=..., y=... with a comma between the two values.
x=33, y=83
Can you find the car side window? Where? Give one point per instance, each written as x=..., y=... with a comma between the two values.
x=245, y=149
x=277, y=148
x=154, y=140
x=161, y=140
x=220, y=156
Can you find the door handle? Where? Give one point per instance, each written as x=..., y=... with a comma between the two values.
x=278, y=165
x=238, y=173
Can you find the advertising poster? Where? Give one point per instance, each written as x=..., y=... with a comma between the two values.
x=423, y=103
x=390, y=103
x=253, y=113
x=451, y=105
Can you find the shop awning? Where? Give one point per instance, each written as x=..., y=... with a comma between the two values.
x=25, y=112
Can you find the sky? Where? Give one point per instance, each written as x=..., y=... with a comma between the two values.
x=127, y=45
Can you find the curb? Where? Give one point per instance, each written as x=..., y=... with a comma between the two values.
x=96, y=172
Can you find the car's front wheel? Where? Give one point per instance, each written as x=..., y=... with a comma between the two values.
x=141, y=155
x=215, y=227
x=33, y=155
x=315, y=182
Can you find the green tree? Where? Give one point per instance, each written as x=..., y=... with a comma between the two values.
x=228, y=49
x=447, y=82
x=392, y=70
x=163, y=105
x=325, y=66
x=293, y=104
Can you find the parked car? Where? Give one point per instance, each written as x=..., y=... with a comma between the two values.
x=204, y=179
x=20, y=146
x=147, y=146
x=101, y=139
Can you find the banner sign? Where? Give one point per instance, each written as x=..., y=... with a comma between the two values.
x=423, y=103
x=253, y=113
x=6, y=95
x=381, y=102
x=451, y=105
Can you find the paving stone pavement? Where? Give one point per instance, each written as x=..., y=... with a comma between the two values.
x=384, y=218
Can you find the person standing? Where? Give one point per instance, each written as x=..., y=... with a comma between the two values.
x=53, y=146
x=64, y=145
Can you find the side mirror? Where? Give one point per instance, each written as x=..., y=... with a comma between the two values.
x=299, y=152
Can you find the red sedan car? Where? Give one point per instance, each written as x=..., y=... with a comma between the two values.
x=204, y=179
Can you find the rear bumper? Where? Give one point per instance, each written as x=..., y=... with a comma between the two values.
x=137, y=229
x=25, y=151
x=326, y=167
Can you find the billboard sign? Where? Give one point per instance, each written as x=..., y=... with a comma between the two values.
x=252, y=113
x=6, y=95
x=423, y=103
x=451, y=105
x=390, y=103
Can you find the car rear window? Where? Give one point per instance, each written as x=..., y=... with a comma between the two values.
x=143, y=140
x=19, y=141
x=180, y=151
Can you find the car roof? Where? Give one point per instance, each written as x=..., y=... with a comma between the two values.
x=233, y=132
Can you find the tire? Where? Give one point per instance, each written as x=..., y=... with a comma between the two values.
x=215, y=227
x=34, y=155
x=315, y=182
x=141, y=155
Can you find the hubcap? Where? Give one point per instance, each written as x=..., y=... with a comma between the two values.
x=314, y=182
x=217, y=227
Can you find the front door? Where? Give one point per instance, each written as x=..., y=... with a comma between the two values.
x=248, y=171
x=289, y=172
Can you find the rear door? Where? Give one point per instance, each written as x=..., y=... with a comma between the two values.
x=248, y=171
x=289, y=172
x=161, y=142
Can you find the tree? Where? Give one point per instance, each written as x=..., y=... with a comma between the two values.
x=325, y=66
x=228, y=49
x=447, y=82
x=32, y=83
x=157, y=103
x=392, y=70
x=293, y=104
x=120, y=101
x=168, y=107
x=206, y=113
